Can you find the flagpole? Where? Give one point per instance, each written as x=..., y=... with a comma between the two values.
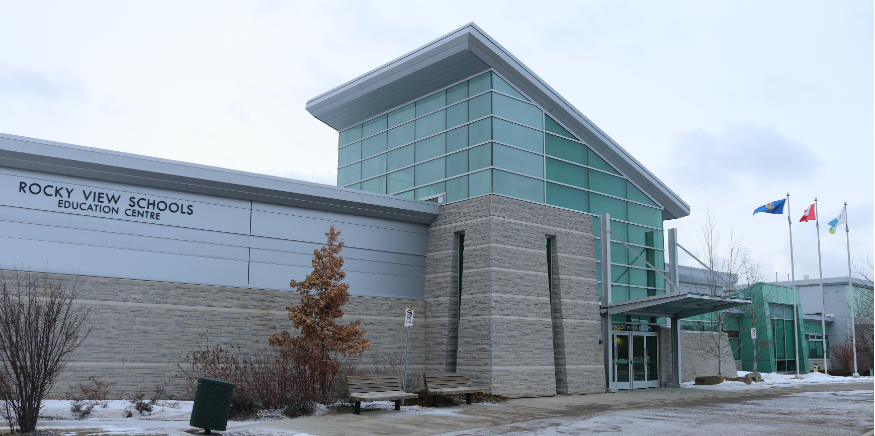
x=822, y=303
x=793, y=274
x=853, y=293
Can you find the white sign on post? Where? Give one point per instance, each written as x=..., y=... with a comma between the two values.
x=753, y=333
x=408, y=318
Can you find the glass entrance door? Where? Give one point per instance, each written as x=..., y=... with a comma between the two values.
x=622, y=361
x=636, y=360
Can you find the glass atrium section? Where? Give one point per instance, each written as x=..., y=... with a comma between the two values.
x=483, y=136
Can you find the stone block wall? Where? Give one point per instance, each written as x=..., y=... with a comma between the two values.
x=513, y=339
x=142, y=329
x=696, y=357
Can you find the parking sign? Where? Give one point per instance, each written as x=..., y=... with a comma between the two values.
x=408, y=318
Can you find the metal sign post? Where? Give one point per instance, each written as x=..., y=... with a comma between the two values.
x=753, y=343
x=408, y=322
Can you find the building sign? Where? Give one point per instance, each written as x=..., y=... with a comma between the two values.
x=107, y=203
x=634, y=327
x=55, y=193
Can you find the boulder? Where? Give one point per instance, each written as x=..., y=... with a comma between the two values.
x=709, y=380
x=755, y=376
x=746, y=379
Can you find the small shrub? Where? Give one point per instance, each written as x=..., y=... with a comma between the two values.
x=163, y=398
x=299, y=409
x=81, y=408
x=85, y=396
x=139, y=403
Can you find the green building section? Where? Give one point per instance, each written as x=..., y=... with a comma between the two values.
x=483, y=136
x=771, y=313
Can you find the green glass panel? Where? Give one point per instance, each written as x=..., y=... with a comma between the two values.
x=598, y=268
x=479, y=84
x=479, y=107
x=457, y=139
x=620, y=274
x=637, y=277
x=599, y=204
x=480, y=157
x=619, y=254
x=429, y=125
x=402, y=115
x=596, y=161
x=431, y=147
x=457, y=189
x=500, y=85
x=400, y=180
x=349, y=174
x=355, y=186
x=645, y=236
x=457, y=115
x=479, y=183
x=457, y=163
x=518, y=111
x=607, y=184
x=564, y=172
x=780, y=350
x=373, y=145
x=598, y=251
x=457, y=93
x=401, y=135
x=565, y=149
x=635, y=194
x=373, y=166
x=788, y=339
x=517, y=186
x=518, y=161
x=635, y=293
x=618, y=229
x=400, y=158
x=350, y=153
x=428, y=191
x=644, y=215
x=635, y=260
x=350, y=135
x=374, y=126
x=515, y=134
x=596, y=228
x=377, y=185
x=431, y=103
x=429, y=171
x=480, y=131
x=564, y=196
x=406, y=194
x=552, y=126
x=619, y=293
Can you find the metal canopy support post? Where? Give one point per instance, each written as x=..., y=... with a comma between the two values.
x=607, y=341
x=675, y=353
x=673, y=259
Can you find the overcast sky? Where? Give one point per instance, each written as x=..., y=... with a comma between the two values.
x=732, y=105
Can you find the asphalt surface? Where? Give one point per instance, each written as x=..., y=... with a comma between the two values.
x=822, y=409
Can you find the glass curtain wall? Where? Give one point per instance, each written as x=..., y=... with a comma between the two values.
x=483, y=136
x=782, y=329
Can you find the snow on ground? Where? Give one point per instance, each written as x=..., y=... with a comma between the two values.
x=114, y=419
x=772, y=380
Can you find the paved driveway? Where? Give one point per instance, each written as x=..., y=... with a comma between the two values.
x=834, y=409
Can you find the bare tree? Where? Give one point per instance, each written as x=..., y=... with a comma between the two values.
x=39, y=330
x=725, y=256
x=753, y=274
x=861, y=302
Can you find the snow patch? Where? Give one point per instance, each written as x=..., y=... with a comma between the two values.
x=772, y=380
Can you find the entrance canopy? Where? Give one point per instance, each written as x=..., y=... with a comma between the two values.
x=677, y=306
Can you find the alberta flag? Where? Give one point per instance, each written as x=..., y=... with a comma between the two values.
x=776, y=207
x=837, y=221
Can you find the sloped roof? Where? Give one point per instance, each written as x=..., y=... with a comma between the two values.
x=456, y=56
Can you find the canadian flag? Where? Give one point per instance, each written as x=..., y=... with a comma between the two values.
x=809, y=214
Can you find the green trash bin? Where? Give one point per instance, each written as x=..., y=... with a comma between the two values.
x=212, y=403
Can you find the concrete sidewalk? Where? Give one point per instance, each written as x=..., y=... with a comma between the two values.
x=465, y=417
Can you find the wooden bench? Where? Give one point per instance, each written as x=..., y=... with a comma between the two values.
x=449, y=384
x=375, y=388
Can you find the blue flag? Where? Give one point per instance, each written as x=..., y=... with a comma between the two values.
x=776, y=207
